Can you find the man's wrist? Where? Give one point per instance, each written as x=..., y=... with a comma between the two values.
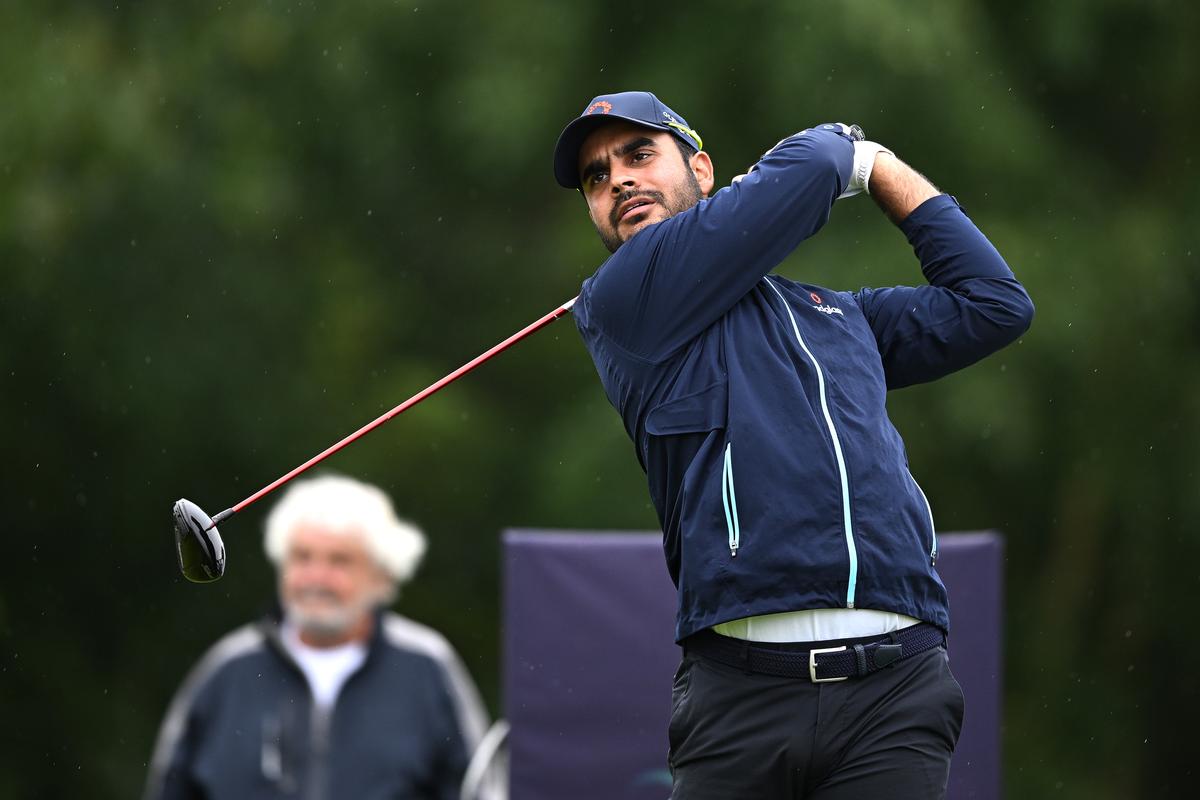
x=865, y=154
x=897, y=188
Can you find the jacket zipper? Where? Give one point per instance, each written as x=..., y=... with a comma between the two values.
x=729, y=499
x=271, y=755
x=320, y=721
x=933, y=547
x=851, y=548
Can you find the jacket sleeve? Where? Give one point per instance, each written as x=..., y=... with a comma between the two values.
x=168, y=777
x=465, y=721
x=453, y=756
x=972, y=307
x=674, y=279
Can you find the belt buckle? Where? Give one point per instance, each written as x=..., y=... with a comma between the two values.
x=812, y=664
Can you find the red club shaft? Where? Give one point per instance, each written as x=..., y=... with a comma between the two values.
x=407, y=404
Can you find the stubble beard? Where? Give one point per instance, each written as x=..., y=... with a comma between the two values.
x=686, y=195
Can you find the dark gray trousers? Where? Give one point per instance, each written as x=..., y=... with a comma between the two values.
x=745, y=736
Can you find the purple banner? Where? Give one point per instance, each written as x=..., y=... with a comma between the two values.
x=589, y=655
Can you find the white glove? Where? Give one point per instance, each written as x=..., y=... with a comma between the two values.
x=864, y=162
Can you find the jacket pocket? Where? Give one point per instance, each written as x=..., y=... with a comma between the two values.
x=699, y=413
x=933, y=545
x=729, y=500
x=695, y=412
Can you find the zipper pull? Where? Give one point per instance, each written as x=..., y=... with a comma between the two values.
x=733, y=547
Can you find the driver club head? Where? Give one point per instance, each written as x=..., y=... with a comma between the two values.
x=197, y=544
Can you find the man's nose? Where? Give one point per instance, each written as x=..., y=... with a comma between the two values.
x=622, y=181
x=315, y=572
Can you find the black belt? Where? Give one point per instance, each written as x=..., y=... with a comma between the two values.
x=834, y=662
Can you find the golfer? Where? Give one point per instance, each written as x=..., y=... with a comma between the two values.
x=336, y=697
x=812, y=619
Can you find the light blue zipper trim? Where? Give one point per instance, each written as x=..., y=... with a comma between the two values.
x=933, y=549
x=851, y=548
x=729, y=499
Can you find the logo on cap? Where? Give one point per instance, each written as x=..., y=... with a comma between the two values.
x=603, y=107
x=671, y=122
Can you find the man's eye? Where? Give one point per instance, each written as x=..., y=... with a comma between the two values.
x=641, y=155
x=596, y=178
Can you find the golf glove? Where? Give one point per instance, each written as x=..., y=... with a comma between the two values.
x=864, y=162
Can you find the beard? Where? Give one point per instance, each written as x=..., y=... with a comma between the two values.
x=682, y=198
x=332, y=618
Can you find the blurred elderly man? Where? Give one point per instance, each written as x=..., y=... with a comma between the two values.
x=334, y=696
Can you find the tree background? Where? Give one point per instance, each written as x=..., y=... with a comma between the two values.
x=231, y=233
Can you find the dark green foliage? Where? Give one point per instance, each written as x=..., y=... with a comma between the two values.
x=231, y=234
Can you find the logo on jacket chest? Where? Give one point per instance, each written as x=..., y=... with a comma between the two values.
x=823, y=307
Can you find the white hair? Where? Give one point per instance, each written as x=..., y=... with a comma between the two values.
x=345, y=505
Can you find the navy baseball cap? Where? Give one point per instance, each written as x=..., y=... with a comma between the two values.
x=641, y=108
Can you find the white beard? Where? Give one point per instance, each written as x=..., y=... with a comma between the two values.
x=331, y=621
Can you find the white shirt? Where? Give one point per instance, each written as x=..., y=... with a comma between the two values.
x=815, y=625
x=326, y=668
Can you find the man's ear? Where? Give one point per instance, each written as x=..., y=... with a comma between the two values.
x=702, y=168
x=386, y=589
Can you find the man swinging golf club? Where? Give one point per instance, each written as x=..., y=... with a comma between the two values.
x=812, y=620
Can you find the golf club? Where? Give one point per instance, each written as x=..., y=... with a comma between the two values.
x=198, y=545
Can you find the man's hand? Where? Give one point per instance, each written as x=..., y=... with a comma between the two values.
x=897, y=188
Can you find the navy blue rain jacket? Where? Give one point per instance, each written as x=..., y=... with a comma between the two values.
x=244, y=724
x=757, y=404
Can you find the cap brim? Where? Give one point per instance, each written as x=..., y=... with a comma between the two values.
x=566, y=151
